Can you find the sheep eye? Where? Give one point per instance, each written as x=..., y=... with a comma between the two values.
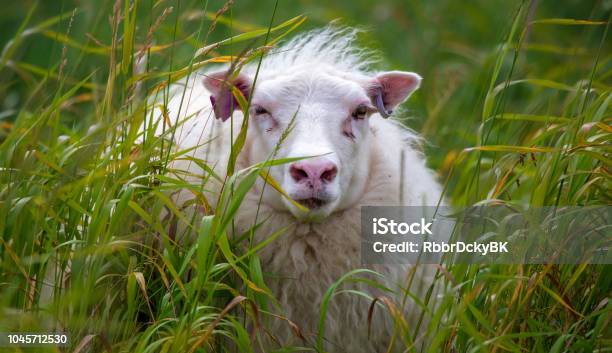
x=260, y=110
x=360, y=112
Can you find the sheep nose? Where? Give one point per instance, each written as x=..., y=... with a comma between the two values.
x=314, y=172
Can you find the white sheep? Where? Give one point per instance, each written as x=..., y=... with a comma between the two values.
x=322, y=82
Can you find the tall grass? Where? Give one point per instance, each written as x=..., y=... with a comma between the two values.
x=84, y=248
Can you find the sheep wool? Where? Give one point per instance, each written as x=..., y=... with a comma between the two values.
x=320, y=83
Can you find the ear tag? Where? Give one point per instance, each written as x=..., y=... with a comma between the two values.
x=381, y=106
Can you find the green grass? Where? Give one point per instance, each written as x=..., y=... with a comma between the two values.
x=515, y=104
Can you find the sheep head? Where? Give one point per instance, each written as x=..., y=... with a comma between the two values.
x=327, y=116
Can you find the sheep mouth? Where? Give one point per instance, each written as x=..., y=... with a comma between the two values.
x=312, y=203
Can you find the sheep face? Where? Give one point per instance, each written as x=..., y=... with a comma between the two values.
x=322, y=115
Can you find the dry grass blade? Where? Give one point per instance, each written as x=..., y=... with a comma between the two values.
x=83, y=343
x=89, y=339
x=397, y=316
x=143, y=287
x=232, y=304
x=292, y=325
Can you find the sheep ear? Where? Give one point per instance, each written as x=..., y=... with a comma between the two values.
x=394, y=87
x=220, y=86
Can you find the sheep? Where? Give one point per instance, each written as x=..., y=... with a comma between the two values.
x=322, y=84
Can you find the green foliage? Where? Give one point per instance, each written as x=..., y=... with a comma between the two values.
x=515, y=103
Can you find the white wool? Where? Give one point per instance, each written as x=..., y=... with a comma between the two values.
x=309, y=257
x=330, y=46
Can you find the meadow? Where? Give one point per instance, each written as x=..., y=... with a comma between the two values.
x=514, y=107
